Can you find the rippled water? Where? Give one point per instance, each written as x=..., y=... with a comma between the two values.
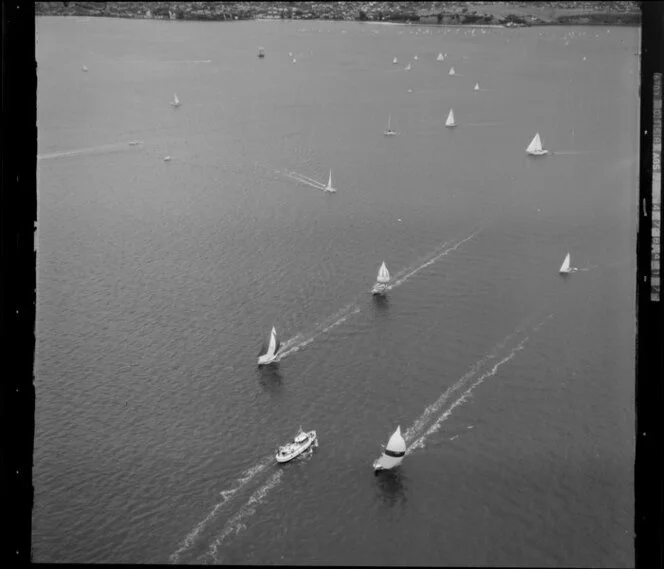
x=158, y=282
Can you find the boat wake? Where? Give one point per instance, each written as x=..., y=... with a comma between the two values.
x=305, y=180
x=299, y=341
x=227, y=496
x=429, y=422
x=407, y=273
x=92, y=150
x=237, y=523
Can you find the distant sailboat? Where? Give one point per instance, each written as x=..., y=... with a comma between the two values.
x=416, y=58
x=440, y=57
x=381, y=280
x=388, y=130
x=566, y=267
x=84, y=68
x=329, y=187
x=395, y=61
x=269, y=351
x=535, y=147
x=175, y=102
x=261, y=52
x=450, y=119
x=477, y=87
x=407, y=67
x=393, y=454
x=452, y=72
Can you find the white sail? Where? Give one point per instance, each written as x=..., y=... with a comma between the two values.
x=394, y=452
x=329, y=187
x=273, y=346
x=440, y=57
x=176, y=101
x=415, y=58
x=565, y=267
x=535, y=146
x=383, y=274
x=395, y=60
x=450, y=119
x=408, y=67
x=452, y=72
x=477, y=86
x=84, y=68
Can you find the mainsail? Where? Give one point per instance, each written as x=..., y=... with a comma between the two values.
x=452, y=72
x=272, y=347
x=450, y=119
x=535, y=145
x=329, y=182
x=477, y=86
x=565, y=267
x=440, y=57
x=383, y=274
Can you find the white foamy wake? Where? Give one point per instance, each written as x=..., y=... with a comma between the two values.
x=91, y=150
x=227, y=496
x=238, y=522
x=399, y=280
x=484, y=368
x=305, y=180
x=299, y=341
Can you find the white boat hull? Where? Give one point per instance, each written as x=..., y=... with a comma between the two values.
x=293, y=450
x=379, y=289
x=537, y=152
x=386, y=462
x=265, y=360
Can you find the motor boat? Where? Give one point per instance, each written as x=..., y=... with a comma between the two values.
x=302, y=442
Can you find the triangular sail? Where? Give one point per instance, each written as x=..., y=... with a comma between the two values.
x=565, y=267
x=383, y=274
x=450, y=119
x=274, y=344
x=452, y=72
x=477, y=86
x=535, y=145
x=329, y=181
x=389, y=122
x=440, y=57
x=396, y=446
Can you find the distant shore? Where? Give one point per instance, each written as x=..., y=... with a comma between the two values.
x=468, y=14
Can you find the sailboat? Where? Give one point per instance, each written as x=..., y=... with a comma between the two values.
x=415, y=58
x=393, y=454
x=477, y=87
x=175, y=102
x=381, y=280
x=388, y=130
x=261, y=52
x=269, y=350
x=84, y=68
x=395, y=61
x=566, y=267
x=407, y=67
x=535, y=147
x=329, y=187
x=440, y=57
x=450, y=119
x=452, y=72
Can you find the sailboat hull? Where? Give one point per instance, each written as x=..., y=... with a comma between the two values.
x=266, y=360
x=386, y=463
x=379, y=288
x=537, y=152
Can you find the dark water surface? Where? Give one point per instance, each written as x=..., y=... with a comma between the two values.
x=158, y=282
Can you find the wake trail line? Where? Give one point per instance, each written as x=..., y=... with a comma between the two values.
x=403, y=279
x=416, y=435
x=237, y=523
x=299, y=341
x=227, y=496
x=305, y=180
x=91, y=150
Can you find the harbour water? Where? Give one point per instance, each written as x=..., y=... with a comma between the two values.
x=158, y=282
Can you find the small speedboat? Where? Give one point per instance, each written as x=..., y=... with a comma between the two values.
x=303, y=441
